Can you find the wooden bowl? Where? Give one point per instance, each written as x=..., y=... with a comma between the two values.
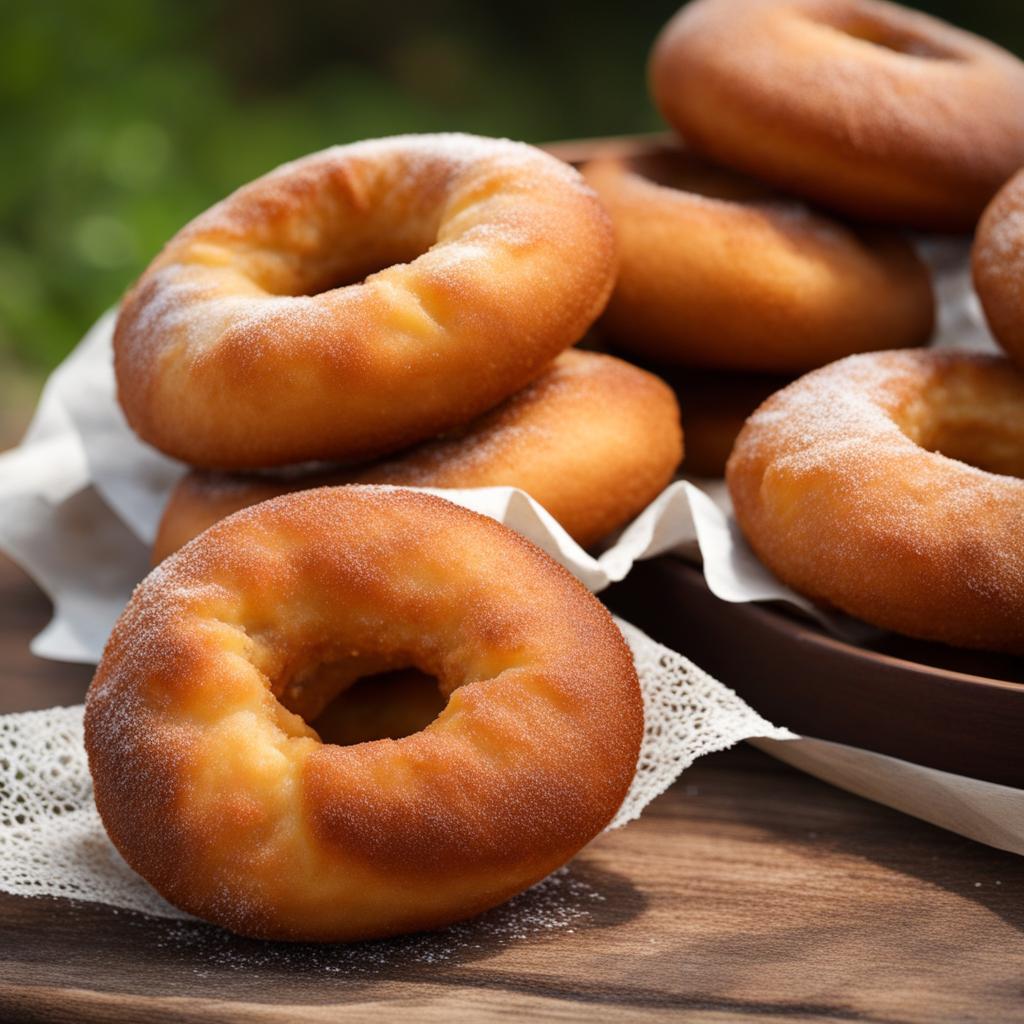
x=956, y=710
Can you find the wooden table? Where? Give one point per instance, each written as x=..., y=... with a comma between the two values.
x=747, y=892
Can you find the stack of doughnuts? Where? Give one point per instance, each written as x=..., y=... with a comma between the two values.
x=398, y=312
x=768, y=239
x=885, y=484
x=593, y=439
x=393, y=312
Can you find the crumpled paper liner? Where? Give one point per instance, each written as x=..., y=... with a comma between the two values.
x=81, y=497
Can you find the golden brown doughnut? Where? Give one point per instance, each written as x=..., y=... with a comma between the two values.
x=713, y=407
x=717, y=270
x=998, y=261
x=246, y=343
x=594, y=440
x=888, y=486
x=214, y=788
x=864, y=106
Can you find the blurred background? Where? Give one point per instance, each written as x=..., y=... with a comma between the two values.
x=123, y=120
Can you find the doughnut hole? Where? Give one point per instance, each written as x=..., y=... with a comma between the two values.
x=888, y=34
x=359, y=698
x=983, y=427
x=389, y=705
x=341, y=229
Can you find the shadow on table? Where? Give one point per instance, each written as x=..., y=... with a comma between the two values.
x=185, y=958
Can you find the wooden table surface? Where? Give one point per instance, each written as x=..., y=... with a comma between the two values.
x=747, y=892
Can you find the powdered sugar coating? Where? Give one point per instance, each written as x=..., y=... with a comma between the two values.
x=563, y=902
x=221, y=796
x=854, y=486
x=243, y=346
x=594, y=440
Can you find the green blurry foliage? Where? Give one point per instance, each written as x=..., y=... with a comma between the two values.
x=120, y=121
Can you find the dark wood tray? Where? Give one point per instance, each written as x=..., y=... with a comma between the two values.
x=961, y=711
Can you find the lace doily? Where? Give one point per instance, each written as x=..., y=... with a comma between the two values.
x=52, y=841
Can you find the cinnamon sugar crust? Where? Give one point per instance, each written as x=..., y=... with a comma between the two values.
x=891, y=486
x=475, y=261
x=593, y=439
x=213, y=786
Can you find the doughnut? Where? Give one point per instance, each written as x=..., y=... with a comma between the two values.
x=998, y=264
x=594, y=440
x=865, y=107
x=215, y=789
x=714, y=406
x=360, y=300
x=718, y=271
x=888, y=485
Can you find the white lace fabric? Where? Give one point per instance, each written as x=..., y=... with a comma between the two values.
x=52, y=842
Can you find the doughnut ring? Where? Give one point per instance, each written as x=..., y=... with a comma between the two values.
x=593, y=439
x=214, y=788
x=875, y=110
x=889, y=486
x=718, y=271
x=246, y=343
x=998, y=263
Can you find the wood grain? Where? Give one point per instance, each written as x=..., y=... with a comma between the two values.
x=747, y=892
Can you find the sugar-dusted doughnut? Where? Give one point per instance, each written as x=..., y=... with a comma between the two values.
x=889, y=486
x=215, y=789
x=359, y=300
x=719, y=271
x=593, y=439
x=998, y=262
x=864, y=106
